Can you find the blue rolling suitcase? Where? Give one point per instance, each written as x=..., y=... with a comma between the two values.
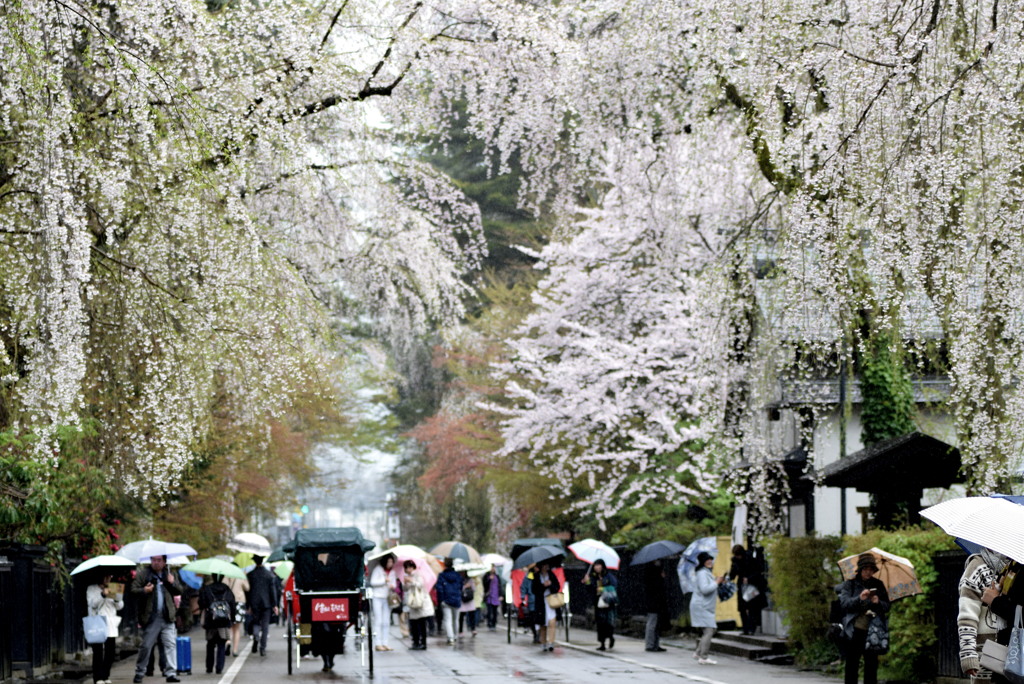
x=184, y=655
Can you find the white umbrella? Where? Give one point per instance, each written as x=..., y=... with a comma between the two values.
x=142, y=551
x=990, y=522
x=494, y=559
x=591, y=550
x=400, y=551
x=104, y=562
x=471, y=569
x=249, y=542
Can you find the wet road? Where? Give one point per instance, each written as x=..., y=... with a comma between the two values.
x=486, y=659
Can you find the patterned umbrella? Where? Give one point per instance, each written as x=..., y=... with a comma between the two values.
x=895, y=572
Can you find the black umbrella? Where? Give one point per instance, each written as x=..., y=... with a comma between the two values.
x=539, y=554
x=656, y=550
x=519, y=546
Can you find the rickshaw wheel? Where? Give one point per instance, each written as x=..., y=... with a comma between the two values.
x=291, y=652
x=368, y=643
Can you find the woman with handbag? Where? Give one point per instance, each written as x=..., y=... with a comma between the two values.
x=975, y=623
x=417, y=600
x=746, y=571
x=865, y=604
x=547, y=591
x=103, y=602
x=606, y=598
x=1004, y=598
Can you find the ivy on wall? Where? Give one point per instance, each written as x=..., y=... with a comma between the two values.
x=888, y=398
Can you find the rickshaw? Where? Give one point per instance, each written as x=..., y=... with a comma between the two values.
x=327, y=594
x=513, y=583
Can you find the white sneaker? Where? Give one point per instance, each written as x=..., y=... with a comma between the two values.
x=707, y=661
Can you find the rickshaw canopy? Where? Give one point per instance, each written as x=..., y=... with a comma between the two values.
x=329, y=558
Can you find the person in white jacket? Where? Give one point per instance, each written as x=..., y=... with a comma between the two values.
x=702, y=606
x=103, y=602
x=382, y=581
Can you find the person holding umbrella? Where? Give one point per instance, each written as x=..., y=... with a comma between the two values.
x=865, y=602
x=702, y=606
x=102, y=601
x=156, y=588
x=606, y=598
x=492, y=596
x=217, y=603
x=545, y=584
x=417, y=600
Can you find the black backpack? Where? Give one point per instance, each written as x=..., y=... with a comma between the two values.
x=467, y=593
x=218, y=614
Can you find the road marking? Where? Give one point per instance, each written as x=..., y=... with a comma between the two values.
x=656, y=668
x=236, y=666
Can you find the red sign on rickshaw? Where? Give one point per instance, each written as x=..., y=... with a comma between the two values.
x=330, y=609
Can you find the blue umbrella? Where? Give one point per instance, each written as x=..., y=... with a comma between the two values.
x=656, y=550
x=191, y=579
x=688, y=566
x=972, y=548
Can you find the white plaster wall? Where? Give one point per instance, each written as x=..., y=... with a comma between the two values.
x=828, y=500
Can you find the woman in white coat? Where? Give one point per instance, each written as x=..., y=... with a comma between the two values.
x=101, y=601
x=702, y=606
x=382, y=582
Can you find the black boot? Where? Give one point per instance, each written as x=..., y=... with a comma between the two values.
x=601, y=647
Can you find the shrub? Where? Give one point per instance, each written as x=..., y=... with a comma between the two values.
x=803, y=573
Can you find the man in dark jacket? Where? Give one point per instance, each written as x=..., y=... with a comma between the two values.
x=156, y=588
x=263, y=600
x=655, y=597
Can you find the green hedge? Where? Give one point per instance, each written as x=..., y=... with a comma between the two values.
x=802, y=576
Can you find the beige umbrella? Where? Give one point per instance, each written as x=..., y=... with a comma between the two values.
x=457, y=551
x=895, y=572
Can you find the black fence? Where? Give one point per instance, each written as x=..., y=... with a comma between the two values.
x=631, y=591
x=950, y=566
x=40, y=616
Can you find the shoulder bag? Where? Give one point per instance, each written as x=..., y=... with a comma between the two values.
x=1013, y=668
x=556, y=600
x=95, y=627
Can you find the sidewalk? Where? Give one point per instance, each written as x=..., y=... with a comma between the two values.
x=678, y=660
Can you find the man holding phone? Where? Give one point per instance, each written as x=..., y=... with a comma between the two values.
x=155, y=587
